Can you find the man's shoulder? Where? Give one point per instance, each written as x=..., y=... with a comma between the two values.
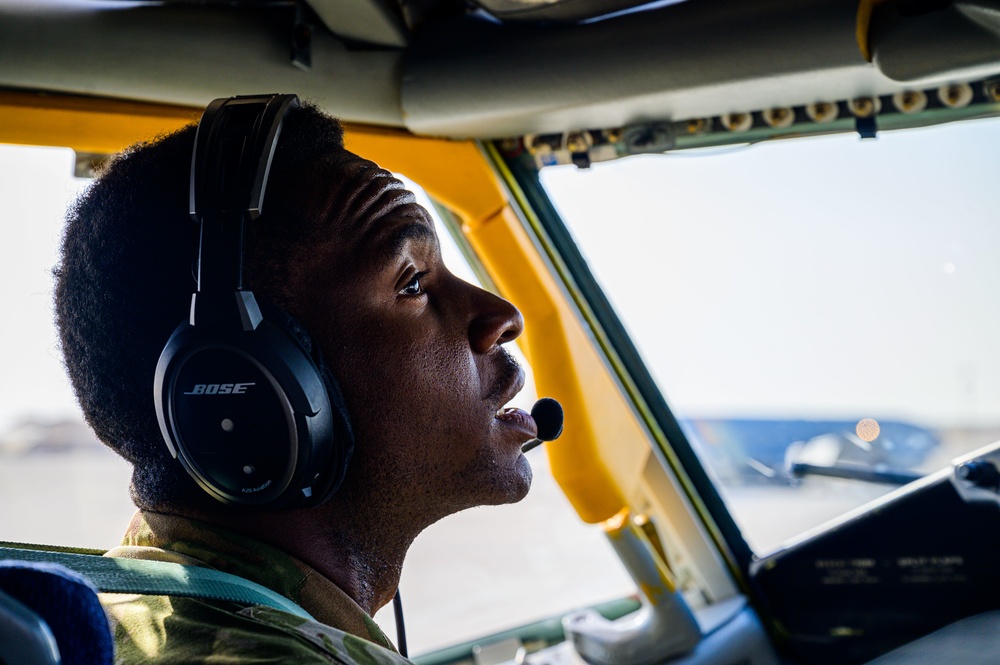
x=343, y=646
x=167, y=629
x=176, y=628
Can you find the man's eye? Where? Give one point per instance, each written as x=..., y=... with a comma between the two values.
x=413, y=287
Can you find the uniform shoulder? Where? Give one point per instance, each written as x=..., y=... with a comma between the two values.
x=163, y=630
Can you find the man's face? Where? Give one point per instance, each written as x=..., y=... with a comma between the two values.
x=418, y=354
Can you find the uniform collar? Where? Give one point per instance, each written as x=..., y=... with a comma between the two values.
x=188, y=541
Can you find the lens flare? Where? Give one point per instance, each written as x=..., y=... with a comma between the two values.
x=867, y=429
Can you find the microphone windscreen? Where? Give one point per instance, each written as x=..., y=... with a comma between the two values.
x=548, y=415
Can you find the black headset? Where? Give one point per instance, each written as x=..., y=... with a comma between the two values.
x=243, y=397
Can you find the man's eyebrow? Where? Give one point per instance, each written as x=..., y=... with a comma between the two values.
x=396, y=241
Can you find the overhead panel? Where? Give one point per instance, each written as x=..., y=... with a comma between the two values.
x=468, y=76
x=374, y=22
x=188, y=54
x=933, y=42
x=562, y=10
x=690, y=60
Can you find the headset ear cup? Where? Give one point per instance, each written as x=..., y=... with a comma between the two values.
x=343, y=443
x=342, y=446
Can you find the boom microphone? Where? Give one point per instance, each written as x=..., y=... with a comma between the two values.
x=548, y=415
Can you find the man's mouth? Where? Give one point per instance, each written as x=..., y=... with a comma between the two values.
x=510, y=383
x=518, y=419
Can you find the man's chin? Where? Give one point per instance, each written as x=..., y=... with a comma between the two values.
x=520, y=481
x=529, y=473
x=497, y=488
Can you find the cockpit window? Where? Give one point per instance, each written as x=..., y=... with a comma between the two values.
x=819, y=313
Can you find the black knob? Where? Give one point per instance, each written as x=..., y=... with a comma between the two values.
x=979, y=473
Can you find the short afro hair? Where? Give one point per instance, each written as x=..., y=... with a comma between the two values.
x=127, y=274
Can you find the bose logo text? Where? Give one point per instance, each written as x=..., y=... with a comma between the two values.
x=219, y=388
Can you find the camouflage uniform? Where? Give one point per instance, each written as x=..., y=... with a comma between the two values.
x=165, y=629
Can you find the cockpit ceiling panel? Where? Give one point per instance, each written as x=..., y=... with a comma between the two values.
x=467, y=75
x=177, y=53
x=691, y=60
x=376, y=22
x=563, y=10
x=389, y=22
x=681, y=62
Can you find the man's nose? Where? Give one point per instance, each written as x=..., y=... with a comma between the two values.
x=494, y=321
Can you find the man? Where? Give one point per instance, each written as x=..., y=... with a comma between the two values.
x=344, y=249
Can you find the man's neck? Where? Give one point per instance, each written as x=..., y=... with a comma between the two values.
x=352, y=543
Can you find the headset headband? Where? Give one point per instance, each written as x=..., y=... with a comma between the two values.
x=234, y=147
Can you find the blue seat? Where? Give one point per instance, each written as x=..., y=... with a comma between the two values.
x=36, y=597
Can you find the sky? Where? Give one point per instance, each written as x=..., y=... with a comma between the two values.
x=807, y=278
x=36, y=186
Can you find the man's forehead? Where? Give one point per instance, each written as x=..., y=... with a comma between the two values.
x=364, y=199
